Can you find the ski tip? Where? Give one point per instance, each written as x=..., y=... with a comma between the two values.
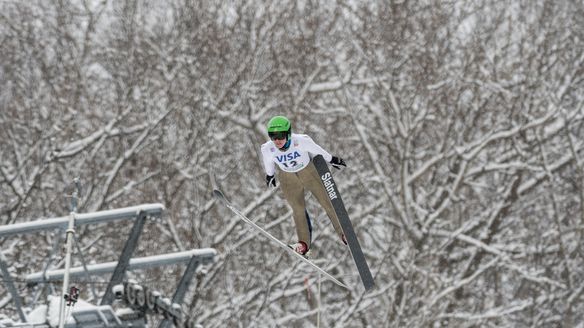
x=218, y=194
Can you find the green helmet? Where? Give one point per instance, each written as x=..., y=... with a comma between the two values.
x=279, y=127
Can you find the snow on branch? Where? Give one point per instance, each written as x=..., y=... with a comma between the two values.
x=490, y=314
x=461, y=283
x=505, y=260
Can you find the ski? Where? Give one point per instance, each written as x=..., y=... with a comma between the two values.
x=221, y=197
x=346, y=225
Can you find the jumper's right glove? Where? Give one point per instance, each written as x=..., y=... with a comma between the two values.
x=337, y=162
x=270, y=179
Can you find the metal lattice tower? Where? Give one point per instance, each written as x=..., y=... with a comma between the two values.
x=134, y=295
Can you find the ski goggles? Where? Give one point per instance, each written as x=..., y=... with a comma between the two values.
x=278, y=135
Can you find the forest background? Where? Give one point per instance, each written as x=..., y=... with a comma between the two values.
x=461, y=123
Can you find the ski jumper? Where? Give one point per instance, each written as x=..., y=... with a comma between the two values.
x=297, y=173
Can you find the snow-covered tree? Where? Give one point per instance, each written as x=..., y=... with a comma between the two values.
x=460, y=121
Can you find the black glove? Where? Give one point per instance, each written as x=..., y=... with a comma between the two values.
x=337, y=162
x=270, y=179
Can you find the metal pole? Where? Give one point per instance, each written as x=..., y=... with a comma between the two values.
x=69, y=247
x=124, y=260
x=318, y=312
x=204, y=255
x=70, y=234
x=182, y=288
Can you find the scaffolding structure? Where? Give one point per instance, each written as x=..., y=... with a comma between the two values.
x=138, y=299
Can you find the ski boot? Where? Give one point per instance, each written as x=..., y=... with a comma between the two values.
x=301, y=248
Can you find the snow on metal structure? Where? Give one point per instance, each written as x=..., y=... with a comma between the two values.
x=206, y=255
x=127, y=213
x=102, y=315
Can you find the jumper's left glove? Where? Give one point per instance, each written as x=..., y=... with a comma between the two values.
x=270, y=180
x=337, y=162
